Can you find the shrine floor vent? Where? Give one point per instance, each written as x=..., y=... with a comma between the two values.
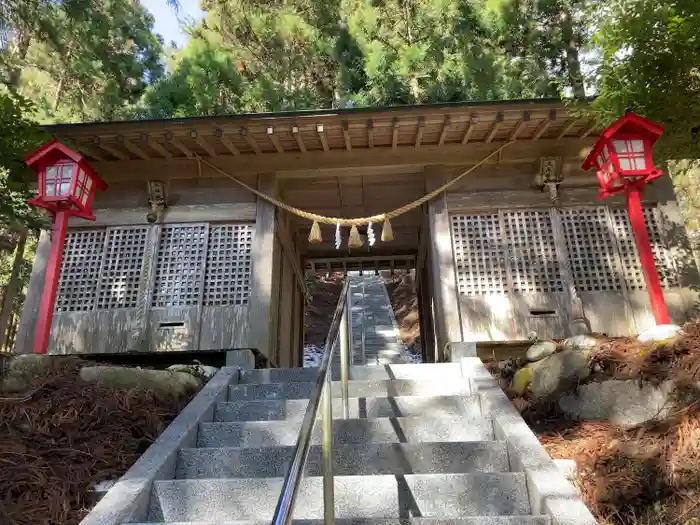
x=424, y=444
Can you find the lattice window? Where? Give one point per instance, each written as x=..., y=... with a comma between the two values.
x=227, y=276
x=532, y=255
x=179, y=266
x=591, y=249
x=478, y=255
x=631, y=265
x=80, y=269
x=122, y=268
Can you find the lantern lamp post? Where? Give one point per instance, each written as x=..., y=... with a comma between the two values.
x=67, y=186
x=622, y=157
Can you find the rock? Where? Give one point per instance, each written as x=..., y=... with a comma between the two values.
x=25, y=368
x=521, y=380
x=163, y=382
x=559, y=370
x=540, y=350
x=661, y=332
x=203, y=371
x=585, y=341
x=620, y=402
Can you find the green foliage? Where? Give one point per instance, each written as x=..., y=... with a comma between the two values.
x=18, y=136
x=651, y=62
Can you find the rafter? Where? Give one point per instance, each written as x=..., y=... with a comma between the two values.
x=590, y=129
x=567, y=128
x=299, y=139
x=179, y=145
x=109, y=149
x=495, y=127
x=250, y=140
x=90, y=150
x=446, y=124
x=219, y=133
x=370, y=133
x=346, y=135
x=544, y=125
x=273, y=138
x=419, y=131
x=133, y=148
x=395, y=133
x=156, y=146
x=473, y=121
x=322, y=136
x=521, y=125
x=199, y=139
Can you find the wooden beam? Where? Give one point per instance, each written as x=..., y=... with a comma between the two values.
x=395, y=133
x=133, y=148
x=346, y=136
x=322, y=136
x=89, y=149
x=419, y=131
x=179, y=145
x=299, y=138
x=370, y=133
x=446, y=124
x=521, y=125
x=495, y=127
x=250, y=140
x=589, y=130
x=199, y=139
x=473, y=120
x=544, y=125
x=156, y=146
x=567, y=128
x=109, y=149
x=321, y=164
x=226, y=142
x=273, y=138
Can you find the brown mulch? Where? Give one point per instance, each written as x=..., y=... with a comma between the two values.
x=643, y=475
x=404, y=301
x=62, y=436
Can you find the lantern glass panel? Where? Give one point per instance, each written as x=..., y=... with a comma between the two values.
x=630, y=154
x=50, y=176
x=604, y=159
x=82, y=188
x=66, y=177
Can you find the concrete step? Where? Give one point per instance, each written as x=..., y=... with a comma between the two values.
x=473, y=520
x=360, y=408
x=357, y=372
x=356, y=388
x=348, y=460
x=431, y=495
x=346, y=431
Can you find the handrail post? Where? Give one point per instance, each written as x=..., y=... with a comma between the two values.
x=344, y=362
x=327, y=449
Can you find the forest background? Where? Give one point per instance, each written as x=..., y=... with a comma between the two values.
x=88, y=60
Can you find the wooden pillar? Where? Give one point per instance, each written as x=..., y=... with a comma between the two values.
x=262, y=309
x=30, y=311
x=447, y=321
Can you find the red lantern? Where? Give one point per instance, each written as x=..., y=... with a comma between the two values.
x=623, y=160
x=66, y=181
x=623, y=154
x=66, y=187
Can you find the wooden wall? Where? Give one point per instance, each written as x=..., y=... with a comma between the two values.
x=495, y=206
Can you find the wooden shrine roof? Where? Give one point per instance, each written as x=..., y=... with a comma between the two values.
x=279, y=134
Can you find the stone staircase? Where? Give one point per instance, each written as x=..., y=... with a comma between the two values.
x=420, y=446
x=373, y=329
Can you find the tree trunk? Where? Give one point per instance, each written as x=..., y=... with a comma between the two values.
x=13, y=287
x=573, y=64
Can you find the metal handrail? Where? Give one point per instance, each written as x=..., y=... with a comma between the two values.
x=322, y=388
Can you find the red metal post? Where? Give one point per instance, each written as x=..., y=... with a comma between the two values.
x=646, y=256
x=53, y=272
